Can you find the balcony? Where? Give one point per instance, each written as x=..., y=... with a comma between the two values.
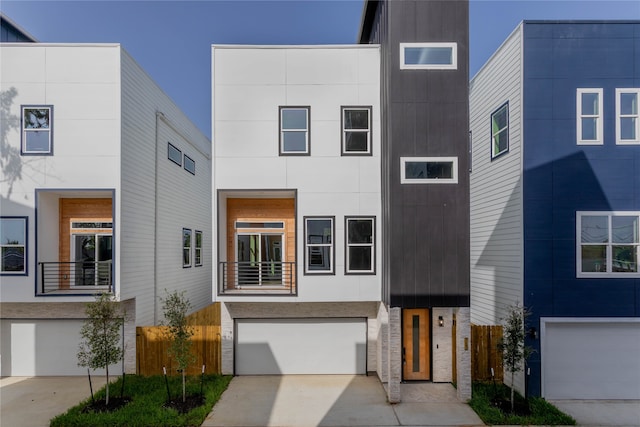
x=77, y=278
x=256, y=278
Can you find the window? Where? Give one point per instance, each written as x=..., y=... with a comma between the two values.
x=356, y=130
x=174, y=154
x=36, y=129
x=429, y=170
x=607, y=243
x=428, y=56
x=360, y=250
x=500, y=131
x=627, y=116
x=198, y=249
x=186, y=247
x=319, y=256
x=189, y=165
x=294, y=130
x=13, y=245
x=589, y=116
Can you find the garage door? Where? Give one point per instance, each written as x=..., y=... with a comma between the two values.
x=36, y=347
x=590, y=359
x=300, y=346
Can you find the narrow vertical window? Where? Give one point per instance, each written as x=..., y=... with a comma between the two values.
x=360, y=245
x=294, y=130
x=589, y=117
x=13, y=245
x=198, y=249
x=186, y=247
x=356, y=130
x=37, y=125
x=319, y=255
x=500, y=131
x=627, y=116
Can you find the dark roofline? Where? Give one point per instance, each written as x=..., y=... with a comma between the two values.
x=5, y=20
x=366, y=20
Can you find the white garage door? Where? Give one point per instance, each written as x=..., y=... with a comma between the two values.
x=590, y=358
x=36, y=347
x=300, y=346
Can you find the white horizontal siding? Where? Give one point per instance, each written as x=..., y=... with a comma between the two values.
x=496, y=188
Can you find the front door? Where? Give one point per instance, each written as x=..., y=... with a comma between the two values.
x=415, y=344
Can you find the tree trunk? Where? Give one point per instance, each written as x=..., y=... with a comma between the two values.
x=184, y=386
x=107, y=398
x=513, y=374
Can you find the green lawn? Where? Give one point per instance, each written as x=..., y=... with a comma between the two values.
x=542, y=412
x=146, y=409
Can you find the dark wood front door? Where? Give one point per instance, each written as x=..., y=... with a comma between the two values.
x=416, y=348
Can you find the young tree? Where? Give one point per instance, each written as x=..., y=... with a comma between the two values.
x=101, y=335
x=175, y=308
x=514, y=352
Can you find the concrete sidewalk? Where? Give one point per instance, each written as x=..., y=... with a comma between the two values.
x=33, y=401
x=335, y=400
x=619, y=413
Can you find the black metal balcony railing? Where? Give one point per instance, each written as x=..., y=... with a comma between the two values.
x=266, y=277
x=85, y=277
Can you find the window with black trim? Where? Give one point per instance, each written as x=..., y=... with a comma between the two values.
x=13, y=245
x=319, y=254
x=37, y=128
x=500, y=131
x=174, y=154
x=189, y=165
x=294, y=131
x=360, y=251
x=356, y=130
x=186, y=247
x=198, y=249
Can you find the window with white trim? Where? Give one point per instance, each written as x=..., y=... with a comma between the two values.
x=356, y=130
x=198, y=249
x=13, y=245
x=360, y=251
x=607, y=244
x=627, y=116
x=589, y=116
x=429, y=56
x=37, y=127
x=429, y=170
x=500, y=131
x=186, y=247
x=319, y=255
x=294, y=130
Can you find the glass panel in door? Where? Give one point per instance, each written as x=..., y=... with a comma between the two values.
x=259, y=258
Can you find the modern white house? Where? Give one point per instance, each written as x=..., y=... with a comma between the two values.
x=105, y=187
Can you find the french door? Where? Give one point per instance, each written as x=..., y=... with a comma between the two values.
x=259, y=258
x=92, y=255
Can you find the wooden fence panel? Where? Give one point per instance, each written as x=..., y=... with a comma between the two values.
x=485, y=353
x=152, y=345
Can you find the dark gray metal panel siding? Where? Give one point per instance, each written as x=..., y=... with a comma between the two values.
x=425, y=113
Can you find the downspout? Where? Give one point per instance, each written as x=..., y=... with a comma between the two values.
x=159, y=115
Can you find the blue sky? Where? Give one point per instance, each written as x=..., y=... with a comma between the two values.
x=172, y=40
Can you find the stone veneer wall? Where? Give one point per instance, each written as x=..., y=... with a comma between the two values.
x=463, y=353
x=442, y=345
x=383, y=344
x=395, y=355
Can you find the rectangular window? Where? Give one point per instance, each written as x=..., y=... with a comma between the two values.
x=186, y=247
x=607, y=244
x=429, y=170
x=500, y=131
x=627, y=116
x=189, y=165
x=245, y=224
x=428, y=56
x=356, y=130
x=319, y=256
x=13, y=245
x=294, y=130
x=174, y=154
x=198, y=249
x=589, y=117
x=360, y=252
x=37, y=128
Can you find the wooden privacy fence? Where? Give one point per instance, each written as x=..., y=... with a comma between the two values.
x=485, y=353
x=152, y=345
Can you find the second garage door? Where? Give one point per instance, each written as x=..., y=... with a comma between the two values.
x=591, y=359
x=301, y=346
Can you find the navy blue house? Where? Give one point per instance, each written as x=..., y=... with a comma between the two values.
x=555, y=202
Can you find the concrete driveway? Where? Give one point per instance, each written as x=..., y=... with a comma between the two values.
x=619, y=413
x=335, y=400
